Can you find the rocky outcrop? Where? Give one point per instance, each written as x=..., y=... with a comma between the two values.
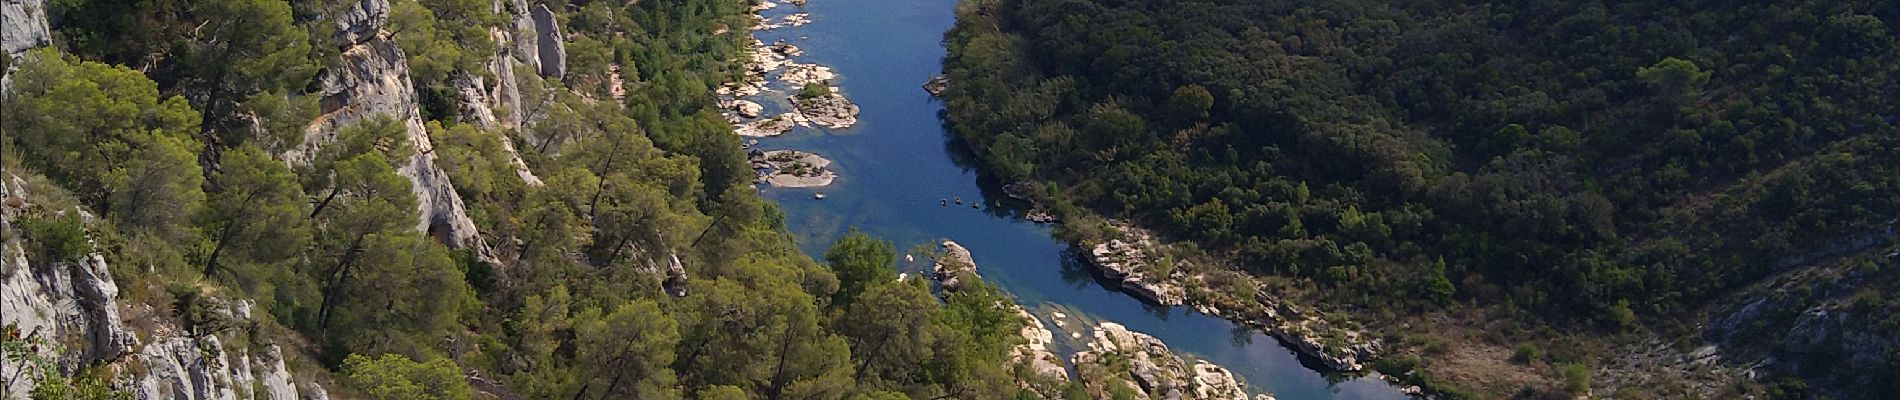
x=830, y=110
x=474, y=108
x=954, y=267
x=1153, y=371
x=1824, y=323
x=203, y=367
x=66, y=301
x=1130, y=259
x=747, y=109
x=76, y=303
x=372, y=80
x=25, y=26
x=362, y=21
x=526, y=49
x=550, y=45
x=792, y=168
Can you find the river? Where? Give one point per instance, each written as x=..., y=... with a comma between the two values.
x=899, y=162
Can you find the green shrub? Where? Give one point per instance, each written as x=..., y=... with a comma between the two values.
x=1576, y=377
x=1398, y=365
x=1525, y=354
x=55, y=238
x=814, y=90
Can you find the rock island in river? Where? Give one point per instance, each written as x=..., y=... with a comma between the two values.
x=792, y=168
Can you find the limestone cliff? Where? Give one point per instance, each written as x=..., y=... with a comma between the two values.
x=372, y=79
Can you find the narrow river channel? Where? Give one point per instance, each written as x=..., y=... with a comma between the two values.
x=898, y=163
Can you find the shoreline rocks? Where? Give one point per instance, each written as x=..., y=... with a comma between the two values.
x=937, y=85
x=747, y=108
x=1129, y=259
x=1034, y=351
x=1153, y=370
x=830, y=110
x=1308, y=335
x=777, y=125
x=792, y=168
x=954, y=266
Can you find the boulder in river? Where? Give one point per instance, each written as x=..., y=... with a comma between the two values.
x=768, y=127
x=937, y=85
x=747, y=109
x=795, y=169
x=831, y=110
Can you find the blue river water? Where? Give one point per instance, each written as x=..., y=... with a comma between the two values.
x=898, y=163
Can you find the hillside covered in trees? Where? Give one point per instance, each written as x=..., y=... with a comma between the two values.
x=1615, y=169
x=431, y=199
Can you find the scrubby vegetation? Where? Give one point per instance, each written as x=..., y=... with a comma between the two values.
x=1603, y=166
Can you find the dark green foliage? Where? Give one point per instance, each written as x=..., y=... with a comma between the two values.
x=1598, y=164
x=55, y=238
x=860, y=262
x=1396, y=365
x=813, y=90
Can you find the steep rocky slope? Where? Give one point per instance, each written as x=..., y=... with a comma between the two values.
x=373, y=80
x=76, y=308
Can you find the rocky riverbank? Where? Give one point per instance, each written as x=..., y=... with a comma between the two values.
x=805, y=91
x=1119, y=360
x=1139, y=264
x=1115, y=358
x=954, y=267
x=1130, y=258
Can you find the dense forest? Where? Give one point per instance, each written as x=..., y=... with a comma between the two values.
x=622, y=255
x=1609, y=166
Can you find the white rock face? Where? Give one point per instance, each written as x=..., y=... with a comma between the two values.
x=526, y=50
x=1154, y=371
x=184, y=368
x=25, y=26
x=551, y=46
x=361, y=21
x=373, y=80
x=67, y=301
